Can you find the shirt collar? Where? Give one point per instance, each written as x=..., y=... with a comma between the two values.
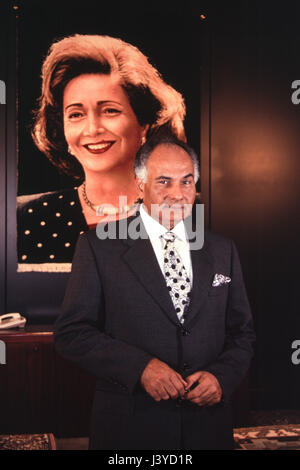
x=155, y=229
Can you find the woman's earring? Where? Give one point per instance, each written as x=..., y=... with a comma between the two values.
x=143, y=140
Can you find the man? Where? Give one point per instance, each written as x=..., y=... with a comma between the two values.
x=166, y=329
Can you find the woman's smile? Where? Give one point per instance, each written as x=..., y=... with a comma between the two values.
x=99, y=147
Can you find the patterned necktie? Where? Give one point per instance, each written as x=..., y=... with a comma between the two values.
x=178, y=283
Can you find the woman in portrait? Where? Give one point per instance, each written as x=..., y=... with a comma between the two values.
x=100, y=100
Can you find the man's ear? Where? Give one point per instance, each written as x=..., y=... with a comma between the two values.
x=140, y=185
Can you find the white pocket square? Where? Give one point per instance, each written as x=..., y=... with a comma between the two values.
x=220, y=279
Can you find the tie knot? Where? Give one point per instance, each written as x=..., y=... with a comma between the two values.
x=169, y=236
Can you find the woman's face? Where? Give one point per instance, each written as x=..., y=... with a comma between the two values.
x=100, y=127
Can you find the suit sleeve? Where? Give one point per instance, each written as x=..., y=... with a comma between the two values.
x=79, y=334
x=232, y=364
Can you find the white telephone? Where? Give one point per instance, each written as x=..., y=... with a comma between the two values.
x=12, y=320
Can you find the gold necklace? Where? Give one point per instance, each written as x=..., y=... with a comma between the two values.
x=101, y=211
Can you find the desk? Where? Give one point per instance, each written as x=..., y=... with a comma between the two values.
x=40, y=392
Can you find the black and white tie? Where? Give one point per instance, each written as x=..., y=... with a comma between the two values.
x=178, y=282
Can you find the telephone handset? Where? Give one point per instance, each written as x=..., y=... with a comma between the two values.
x=12, y=320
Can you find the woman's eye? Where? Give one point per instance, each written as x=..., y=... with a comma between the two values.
x=75, y=115
x=111, y=111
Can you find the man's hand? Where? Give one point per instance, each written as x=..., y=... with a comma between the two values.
x=208, y=391
x=161, y=381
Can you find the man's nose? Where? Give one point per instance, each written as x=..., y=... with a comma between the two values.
x=93, y=125
x=175, y=192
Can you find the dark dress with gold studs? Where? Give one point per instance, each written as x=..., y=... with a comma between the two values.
x=48, y=226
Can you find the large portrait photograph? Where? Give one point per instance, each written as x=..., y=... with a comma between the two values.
x=72, y=168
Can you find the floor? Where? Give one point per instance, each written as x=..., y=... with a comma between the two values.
x=78, y=443
x=256, y=418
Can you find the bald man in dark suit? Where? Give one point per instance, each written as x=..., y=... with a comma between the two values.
x=165, y=328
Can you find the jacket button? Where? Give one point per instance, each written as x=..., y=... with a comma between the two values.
x=185, y=366
x=178, y=402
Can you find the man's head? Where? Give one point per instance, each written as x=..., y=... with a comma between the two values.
x=167, y=170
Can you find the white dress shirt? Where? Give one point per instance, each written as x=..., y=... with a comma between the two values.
x=154, y=230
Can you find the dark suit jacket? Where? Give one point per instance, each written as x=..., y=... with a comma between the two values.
x=117, y=314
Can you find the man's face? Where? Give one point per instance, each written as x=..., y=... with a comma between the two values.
x=169, y=191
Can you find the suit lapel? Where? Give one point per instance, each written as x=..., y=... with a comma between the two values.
x=202, y=265
x=202, y=277
x=141, y=260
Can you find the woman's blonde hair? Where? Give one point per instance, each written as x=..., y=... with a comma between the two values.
x=154, y=101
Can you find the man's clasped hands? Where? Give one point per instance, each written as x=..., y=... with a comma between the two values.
x=164, y=383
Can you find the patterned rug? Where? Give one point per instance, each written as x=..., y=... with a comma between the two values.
x=27, y=442
x=271, y=437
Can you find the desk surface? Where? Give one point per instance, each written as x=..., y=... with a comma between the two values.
x=29, y=333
